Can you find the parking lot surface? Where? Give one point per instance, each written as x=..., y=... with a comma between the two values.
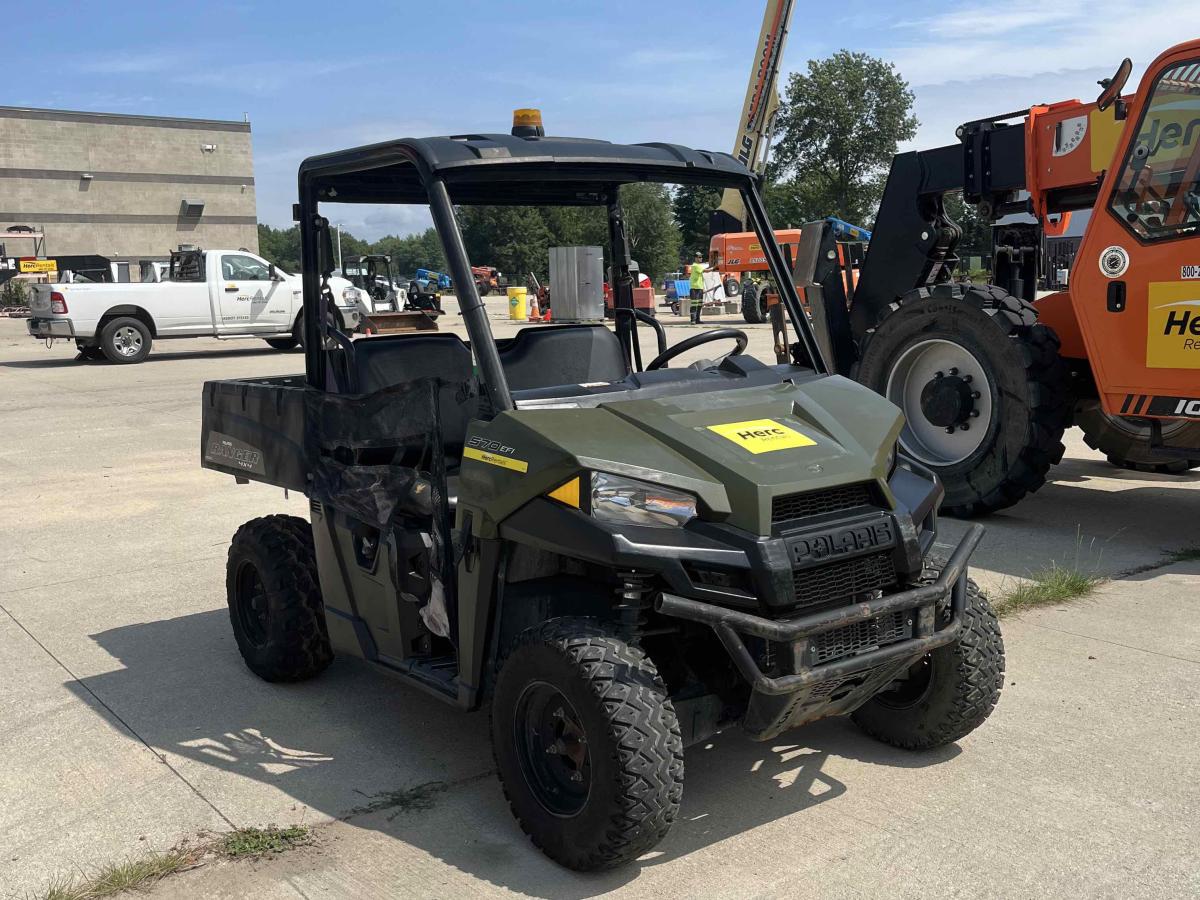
x=129, y=722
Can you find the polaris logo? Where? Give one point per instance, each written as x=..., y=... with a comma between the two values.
x=851, y=539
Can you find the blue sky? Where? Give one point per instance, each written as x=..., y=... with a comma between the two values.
x=315, y=77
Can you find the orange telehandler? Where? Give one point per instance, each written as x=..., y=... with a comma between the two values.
x=989, y=376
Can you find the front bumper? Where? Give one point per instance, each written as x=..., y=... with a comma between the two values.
x=785, y=700
x=51, y=328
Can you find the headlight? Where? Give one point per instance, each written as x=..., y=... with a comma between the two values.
x=628, y=501
x=351, y=294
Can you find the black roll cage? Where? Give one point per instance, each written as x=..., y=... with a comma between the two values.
x=507, y=170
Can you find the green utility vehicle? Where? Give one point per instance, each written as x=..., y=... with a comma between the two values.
x=616, y=559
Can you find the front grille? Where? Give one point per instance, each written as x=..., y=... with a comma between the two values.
x=841, y=580
x=814, y=503
x=853, y=639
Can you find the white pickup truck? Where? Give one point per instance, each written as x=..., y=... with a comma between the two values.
x=214, y=293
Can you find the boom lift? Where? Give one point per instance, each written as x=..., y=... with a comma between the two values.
x=989, y=376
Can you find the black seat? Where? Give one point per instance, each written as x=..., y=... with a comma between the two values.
x=389, y=360
x=545, y=356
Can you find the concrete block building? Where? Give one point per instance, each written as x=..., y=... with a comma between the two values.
x=131, y=188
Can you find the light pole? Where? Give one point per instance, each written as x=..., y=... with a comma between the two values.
x=339, y=234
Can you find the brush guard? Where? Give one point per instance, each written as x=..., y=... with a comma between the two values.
x=811, y=690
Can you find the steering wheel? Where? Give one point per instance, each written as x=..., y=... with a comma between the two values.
x=696, y=340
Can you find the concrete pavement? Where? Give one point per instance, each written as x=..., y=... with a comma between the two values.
x=128, y=721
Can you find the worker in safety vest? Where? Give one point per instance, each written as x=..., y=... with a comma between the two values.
x=696, y=283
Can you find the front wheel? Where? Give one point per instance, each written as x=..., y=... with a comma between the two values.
x=949, y=692
x=754, y=307
x=1126, y=441
x=982, y=388
x=125, y=340
x=274, y=598
x=587, y=745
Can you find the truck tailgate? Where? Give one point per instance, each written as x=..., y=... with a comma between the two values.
x=39, y=301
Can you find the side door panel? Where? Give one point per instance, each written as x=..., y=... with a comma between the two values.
x=248, y=299
x=1135, y=283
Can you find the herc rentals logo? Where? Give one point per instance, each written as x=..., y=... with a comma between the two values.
x=1173, y=325
x=762, y=435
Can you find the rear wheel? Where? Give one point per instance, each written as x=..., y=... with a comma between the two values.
x=274, y=599
x=1126, y=441
x=982, y=388
x=754, y=307
x=587, y=745
x=948, y=693
x=125, y=340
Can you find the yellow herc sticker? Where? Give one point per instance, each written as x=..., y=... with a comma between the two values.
x=1173, y=325
x=495, y=459
x=762, y=435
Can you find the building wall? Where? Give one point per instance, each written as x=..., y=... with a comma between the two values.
x=143, y=169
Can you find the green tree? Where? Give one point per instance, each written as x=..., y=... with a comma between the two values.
x=691, y=207
x=280, y=246
x=653, y=234
x=514, y=239
x=838, y=128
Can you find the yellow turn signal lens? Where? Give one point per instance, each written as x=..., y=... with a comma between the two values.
x=567, y=493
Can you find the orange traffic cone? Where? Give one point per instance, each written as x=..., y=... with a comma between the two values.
x=535, y=311
x=546, y=315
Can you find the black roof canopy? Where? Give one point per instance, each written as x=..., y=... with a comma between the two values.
x=502, y=169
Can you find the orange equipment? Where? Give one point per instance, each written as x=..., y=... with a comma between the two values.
x=989, y=376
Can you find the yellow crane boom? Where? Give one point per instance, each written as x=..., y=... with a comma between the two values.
x=753, y=140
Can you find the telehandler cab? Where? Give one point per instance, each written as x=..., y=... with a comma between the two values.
x=617, y=559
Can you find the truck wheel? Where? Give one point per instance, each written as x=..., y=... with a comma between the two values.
x=1126, y=442
x=949, y=692
x=587, y=745
x=982, y=387
x=275, y=599
x=283, y=343
x=125, y=340
x=753, y=310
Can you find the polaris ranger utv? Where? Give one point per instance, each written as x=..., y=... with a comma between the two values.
x=616, y=559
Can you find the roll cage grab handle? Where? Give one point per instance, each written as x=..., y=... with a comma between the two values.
x=475, y=313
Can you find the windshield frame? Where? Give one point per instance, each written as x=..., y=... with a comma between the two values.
x=554, y=172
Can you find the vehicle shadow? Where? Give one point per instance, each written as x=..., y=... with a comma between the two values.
x=355, y=745
x=59, y=362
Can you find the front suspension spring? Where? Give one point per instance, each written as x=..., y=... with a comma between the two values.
x=633, y=603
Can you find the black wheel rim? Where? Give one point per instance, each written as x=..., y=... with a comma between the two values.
x=253, y=611
x=913, y=688
x=553, y=749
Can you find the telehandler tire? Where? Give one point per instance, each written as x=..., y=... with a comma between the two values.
x=1126, y=442
x=274, y=599
x=950, y=691
x=753, y=310
x=587, y=744
x=982, y=386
